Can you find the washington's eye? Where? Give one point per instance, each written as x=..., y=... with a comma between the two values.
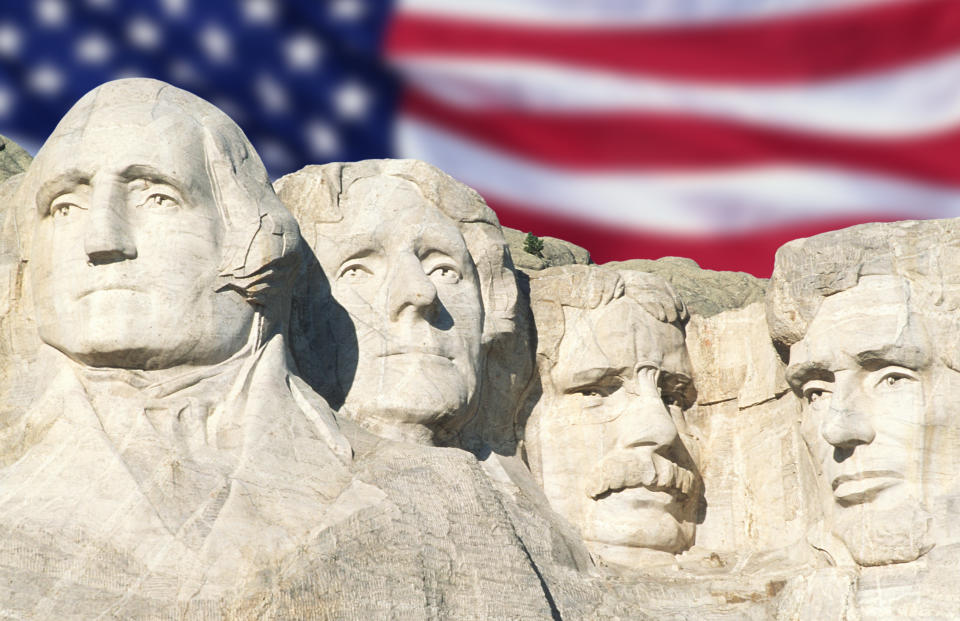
x=62, y=209
x=590, y=392
x=445, y=274
x=161, y=200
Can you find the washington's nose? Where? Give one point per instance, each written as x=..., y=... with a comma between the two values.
x=107, y=237
x=410, y=290
x=846, y=424
x=646, y=421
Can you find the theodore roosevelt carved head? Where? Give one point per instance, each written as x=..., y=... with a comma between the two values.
x=604, y=437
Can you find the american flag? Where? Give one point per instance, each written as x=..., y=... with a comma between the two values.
x=714, y=129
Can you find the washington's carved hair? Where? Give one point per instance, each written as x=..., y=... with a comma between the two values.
x=588, y=287
x=925, y=254
x=261, y=247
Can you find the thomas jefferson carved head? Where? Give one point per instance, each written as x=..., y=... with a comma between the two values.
x=615, y=379
x=159, y=241
x=867, y=320
x=416, y=261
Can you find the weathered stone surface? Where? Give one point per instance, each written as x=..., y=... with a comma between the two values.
x=13, y=159
x=705, y=292
x=555, y=252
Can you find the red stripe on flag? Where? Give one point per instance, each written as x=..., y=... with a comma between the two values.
x=628, y=141
x=777, y=50
x=751, y=252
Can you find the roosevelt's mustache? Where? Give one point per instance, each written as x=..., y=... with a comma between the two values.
x=633, y=468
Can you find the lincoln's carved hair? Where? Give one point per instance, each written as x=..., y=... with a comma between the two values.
x=261, y=248
x=318, y=191
x=926, y=254
x=588, y=287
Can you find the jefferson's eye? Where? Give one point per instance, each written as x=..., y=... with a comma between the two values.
x=354, y=273
x=445, y=274
x=590, y=392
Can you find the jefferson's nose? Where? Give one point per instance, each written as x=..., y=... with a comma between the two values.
x=645, y=420
x=846, y=424
x=409, y=289
x=107, y=236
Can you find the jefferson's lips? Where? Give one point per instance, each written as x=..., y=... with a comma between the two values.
x=860, y=487
x=93, y=290
x=416, y=349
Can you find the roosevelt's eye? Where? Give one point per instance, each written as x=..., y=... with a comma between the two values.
x=446, y=274
x=670, y=399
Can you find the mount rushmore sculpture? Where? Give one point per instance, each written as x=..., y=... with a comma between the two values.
x=348, y=395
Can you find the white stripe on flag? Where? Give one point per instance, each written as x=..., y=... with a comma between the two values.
x=717, y=202
x=914, y=99
x=618, y=13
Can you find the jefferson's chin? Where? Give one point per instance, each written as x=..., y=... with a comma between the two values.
x=639, y=518
x=412, y=389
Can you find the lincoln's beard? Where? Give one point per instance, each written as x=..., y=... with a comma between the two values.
x=875, y=536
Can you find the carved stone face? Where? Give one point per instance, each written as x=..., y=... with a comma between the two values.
x=866, y=373
x=128, y=247
x=605, y=429
x=402, y=271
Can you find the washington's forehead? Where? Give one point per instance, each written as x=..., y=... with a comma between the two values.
x=173, y=147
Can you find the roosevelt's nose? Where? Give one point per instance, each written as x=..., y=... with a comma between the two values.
x=847, y=421
x=410, y=290
x=107, y=235
x=645, y=420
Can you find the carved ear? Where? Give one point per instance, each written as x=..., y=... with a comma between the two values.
x=238, y=209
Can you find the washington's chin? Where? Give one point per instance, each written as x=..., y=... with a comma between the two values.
x=639, y=518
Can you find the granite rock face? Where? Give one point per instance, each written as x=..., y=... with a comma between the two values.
x=354, y=395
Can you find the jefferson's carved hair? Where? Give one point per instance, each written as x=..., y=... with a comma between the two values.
x=925, y=254
x=261, y=248
x=588, y=287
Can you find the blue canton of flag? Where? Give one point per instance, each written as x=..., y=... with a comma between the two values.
x=303, y=78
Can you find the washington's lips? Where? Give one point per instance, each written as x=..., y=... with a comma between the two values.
x=625, y=470
x=860, y=487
